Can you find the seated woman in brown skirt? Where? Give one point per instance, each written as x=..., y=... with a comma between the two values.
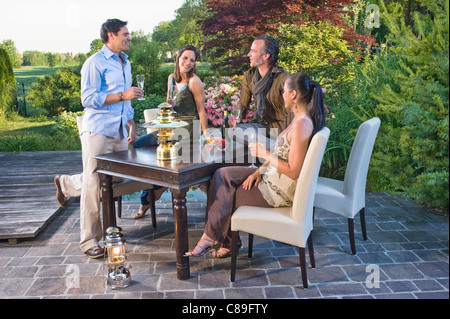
x=273, y=183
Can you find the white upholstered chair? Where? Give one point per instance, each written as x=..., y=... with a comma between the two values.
x=347, y=197
x=290, y=225
x=149, y=115
x=127, y=186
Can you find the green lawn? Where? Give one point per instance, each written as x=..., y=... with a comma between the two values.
x=201, y=66
x=19, y=134
x=30, y=74
x=36, y=132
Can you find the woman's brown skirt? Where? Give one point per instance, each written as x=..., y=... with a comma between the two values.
x=225, y=195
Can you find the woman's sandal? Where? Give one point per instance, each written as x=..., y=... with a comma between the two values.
x=222, y=252
x=141, y=214
x=203, y=250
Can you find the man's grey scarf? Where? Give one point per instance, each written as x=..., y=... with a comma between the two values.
x=260, y=88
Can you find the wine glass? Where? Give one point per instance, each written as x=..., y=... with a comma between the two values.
x=140, y=83
x=237, y=116
x=252, y=139
x=173, y=92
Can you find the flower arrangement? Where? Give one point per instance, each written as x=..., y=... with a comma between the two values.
x=223, y=94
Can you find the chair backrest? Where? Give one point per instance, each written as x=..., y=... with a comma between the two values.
x=359, y=160
x=149, y=115
x=79, y=123
x=305, y=191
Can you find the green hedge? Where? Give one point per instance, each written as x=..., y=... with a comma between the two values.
x=7, y=84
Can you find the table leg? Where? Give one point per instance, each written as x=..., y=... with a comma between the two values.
x=181, y=232
x=109, y=217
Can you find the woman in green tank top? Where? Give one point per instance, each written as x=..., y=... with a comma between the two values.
x=185, y=91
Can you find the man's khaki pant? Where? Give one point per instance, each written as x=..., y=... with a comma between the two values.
x=87, y=185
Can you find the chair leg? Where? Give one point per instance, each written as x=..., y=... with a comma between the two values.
x=234, y=250
x=351, y=233
x=119, y=206
x=362, y=216
x=311, y=251
x=301, y=253
x=250, y=245
x=151, y=197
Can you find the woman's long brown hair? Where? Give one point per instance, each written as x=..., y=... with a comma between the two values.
x=177, y=75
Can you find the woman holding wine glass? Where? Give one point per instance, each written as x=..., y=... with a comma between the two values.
x=185, y=91
x=273, y=183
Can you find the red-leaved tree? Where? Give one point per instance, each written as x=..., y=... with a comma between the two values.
x=233, y=24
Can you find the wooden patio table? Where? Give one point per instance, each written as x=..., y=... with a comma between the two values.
x=196, y=164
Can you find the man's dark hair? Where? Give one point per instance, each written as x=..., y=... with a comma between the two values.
x=111, y=25
x=271, y=47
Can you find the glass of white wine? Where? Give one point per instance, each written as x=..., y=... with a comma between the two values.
x=237, y=116
x=173, y=92
x=140, y=82
x=253, y=140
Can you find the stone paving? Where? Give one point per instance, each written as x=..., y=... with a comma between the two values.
x=405, y=257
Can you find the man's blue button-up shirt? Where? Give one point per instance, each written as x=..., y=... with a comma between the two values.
x=102, y=74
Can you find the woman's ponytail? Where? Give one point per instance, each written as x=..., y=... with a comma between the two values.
x=310, y=93
x=316, y=108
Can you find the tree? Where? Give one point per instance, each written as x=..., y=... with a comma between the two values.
x=34, y=58
x=14, y=56
x=51, y=59
x=95, y=46
x=315, y=48
x=7, y=84
x=186, y=22
x=413, y=151
x=232, y=24
x=184, y=29
x=146, y=57
x=165, y=33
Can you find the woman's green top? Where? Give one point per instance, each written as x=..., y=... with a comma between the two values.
x=185, y=107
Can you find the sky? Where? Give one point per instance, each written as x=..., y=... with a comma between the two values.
x=70, y=25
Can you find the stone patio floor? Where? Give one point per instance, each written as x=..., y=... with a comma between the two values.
x=405, y=257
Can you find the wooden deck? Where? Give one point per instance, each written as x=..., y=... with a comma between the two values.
x=27, y=192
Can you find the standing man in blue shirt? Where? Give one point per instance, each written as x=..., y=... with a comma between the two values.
x=106, y=95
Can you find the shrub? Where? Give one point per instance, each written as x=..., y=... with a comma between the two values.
x=40, y=134
x=317, y=49
x=66, y=123
x=414, y=142
x=7, y=84
x=405, y=85
x=151, y=101
x=59, y=92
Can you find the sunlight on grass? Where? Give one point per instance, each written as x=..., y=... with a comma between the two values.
x=34, y=134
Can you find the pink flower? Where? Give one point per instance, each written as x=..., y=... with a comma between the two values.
x=326, y=109
x=223, y=94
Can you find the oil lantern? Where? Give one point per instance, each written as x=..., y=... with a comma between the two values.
x=118, y=274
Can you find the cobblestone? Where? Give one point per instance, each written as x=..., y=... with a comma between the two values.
x=406, y=250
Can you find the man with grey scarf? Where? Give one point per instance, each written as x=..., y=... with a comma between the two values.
x=265, y=82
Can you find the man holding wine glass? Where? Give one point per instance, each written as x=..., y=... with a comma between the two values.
x=106, y=94
x=265, y=82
